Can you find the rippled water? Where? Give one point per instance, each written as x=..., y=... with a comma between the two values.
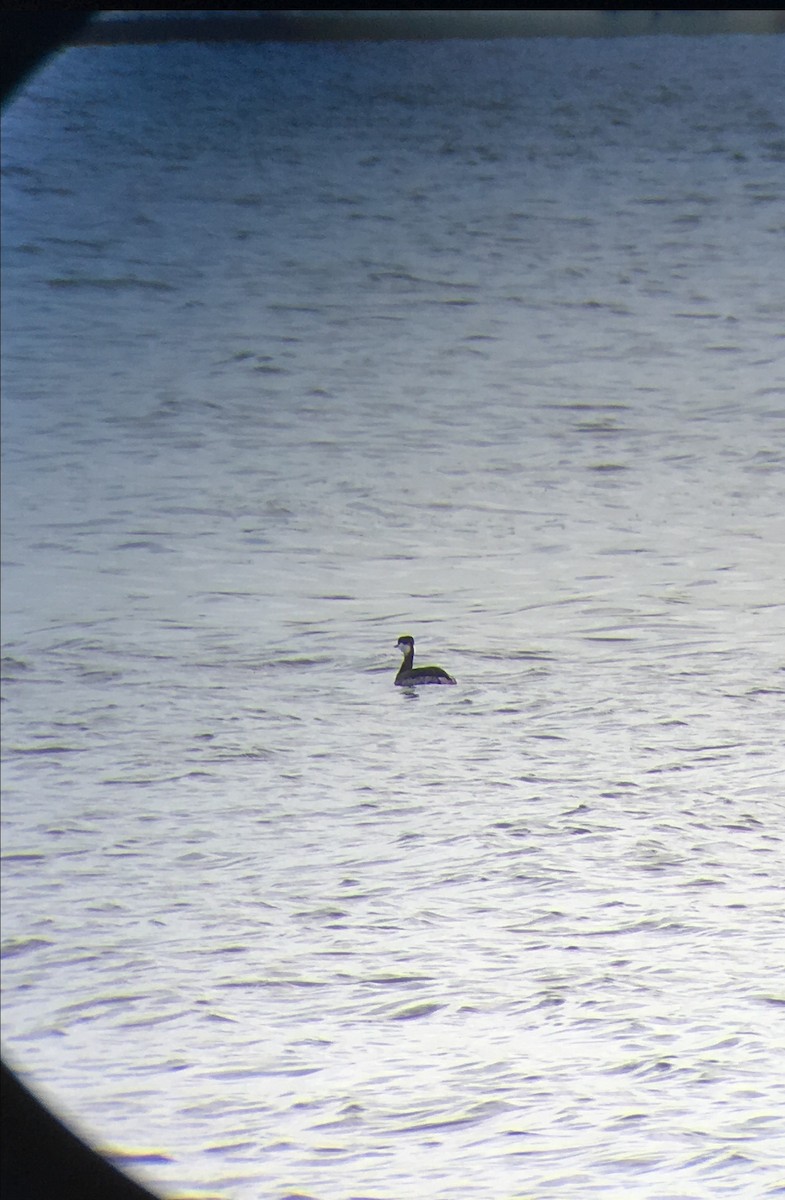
x=310, y=346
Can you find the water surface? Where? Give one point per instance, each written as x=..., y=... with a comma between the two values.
x=310, y=346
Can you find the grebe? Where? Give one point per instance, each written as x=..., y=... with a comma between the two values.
x=409, y=675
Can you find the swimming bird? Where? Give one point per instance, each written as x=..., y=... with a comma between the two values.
x=409, y=675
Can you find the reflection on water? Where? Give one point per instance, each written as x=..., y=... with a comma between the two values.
x=308, y=346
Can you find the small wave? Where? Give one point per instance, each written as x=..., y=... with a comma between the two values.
x=135, y=1156
x=399, y=980
x=22, y=945
x=81, y=243
x=10, y=667
x=234, y=1145
x=43, y=190
x=153, y=547
x=413, y=1012
x=27, y=751
x=119, y=284
x=264, y=1073
x=514, y=655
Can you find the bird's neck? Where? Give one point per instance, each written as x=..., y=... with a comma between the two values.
x=408, y=659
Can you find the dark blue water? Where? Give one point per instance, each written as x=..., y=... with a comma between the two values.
x=310, y=346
